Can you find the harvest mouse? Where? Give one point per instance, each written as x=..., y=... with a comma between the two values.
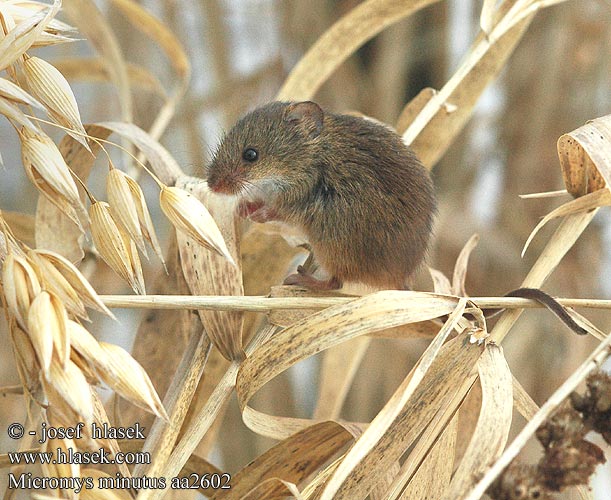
x=361, y=197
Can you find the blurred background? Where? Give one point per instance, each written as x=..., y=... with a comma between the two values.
x=242, y=50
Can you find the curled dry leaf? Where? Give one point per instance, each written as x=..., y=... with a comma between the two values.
x=460, y=268
x=585, y=203
x=374, y=442
x=188, y=215
x=492, y=430
x=50, y=87
x=20, y=285
x=208, y=273
x=321, y=331
x=75, y=278
x=72, y=387
x=114, y=248
x=23, y=35
x=46, y=168
x=441, y=283
x=298, y=456
x=585, y=157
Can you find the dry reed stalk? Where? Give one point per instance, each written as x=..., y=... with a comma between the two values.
x=266, y=304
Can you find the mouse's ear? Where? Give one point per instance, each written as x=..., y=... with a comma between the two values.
x=308, y=115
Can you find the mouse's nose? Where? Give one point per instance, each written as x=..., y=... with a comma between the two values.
x=220, y=184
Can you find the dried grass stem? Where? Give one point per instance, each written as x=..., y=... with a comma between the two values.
x=258, y=303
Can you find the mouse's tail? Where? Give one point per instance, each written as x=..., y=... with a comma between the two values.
x=551, y=304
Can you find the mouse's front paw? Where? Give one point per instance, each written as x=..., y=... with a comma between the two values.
x=303, y=278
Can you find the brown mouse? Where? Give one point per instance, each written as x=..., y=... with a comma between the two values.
x=360, y=196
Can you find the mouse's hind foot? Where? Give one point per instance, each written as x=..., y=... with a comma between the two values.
x=305, y=279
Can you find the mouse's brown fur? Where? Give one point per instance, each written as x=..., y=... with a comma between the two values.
x=359, y=194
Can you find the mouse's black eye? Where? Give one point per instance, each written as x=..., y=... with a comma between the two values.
x=250, y=155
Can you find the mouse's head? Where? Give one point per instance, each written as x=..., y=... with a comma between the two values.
x=270, y=149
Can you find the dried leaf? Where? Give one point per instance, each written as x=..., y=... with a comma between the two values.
x=340, y=41
x=590, y=201
x=163, y=163
x=585, y=157
x=460, y=268
x=208, y=273
x=320, y=331
x=441, y=283
x=434, y=129
x=95, y=70
x=434, y=474
x=95, y=27
x=492, y=429
x=293, y=459
x=366, y=453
